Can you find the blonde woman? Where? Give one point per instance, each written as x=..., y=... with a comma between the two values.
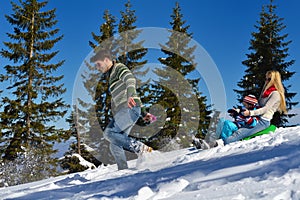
x=272, y=99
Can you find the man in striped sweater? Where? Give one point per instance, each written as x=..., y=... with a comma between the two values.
x=127, y=108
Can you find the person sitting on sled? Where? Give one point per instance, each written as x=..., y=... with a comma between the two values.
x=225, y=128
x=271, y=100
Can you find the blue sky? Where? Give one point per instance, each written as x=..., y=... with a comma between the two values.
x=223, y=28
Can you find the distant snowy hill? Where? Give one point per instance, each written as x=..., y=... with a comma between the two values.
x=266, y=167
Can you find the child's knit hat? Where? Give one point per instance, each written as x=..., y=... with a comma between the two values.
x=251, y=99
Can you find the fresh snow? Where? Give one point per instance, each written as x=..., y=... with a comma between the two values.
x=83, y=162
x=266, y=167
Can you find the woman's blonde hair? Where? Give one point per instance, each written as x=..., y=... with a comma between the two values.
x=275, y=80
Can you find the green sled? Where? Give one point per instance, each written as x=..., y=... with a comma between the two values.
x=271, y=128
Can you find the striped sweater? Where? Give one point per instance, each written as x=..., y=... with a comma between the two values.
x=246, y=122
x=122, y=85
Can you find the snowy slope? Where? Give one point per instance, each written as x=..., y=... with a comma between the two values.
x=266, y=167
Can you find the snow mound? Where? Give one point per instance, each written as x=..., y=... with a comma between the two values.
x=266, y=167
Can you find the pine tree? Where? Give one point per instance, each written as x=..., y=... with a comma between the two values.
x=131, y=53
x=102, y=98
x=125, y=51
x=34, y=102
x=268, y=51
x=173, y=93
x=77, y=148
x=95, y=116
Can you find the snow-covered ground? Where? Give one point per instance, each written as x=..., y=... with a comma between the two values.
x=266, y=167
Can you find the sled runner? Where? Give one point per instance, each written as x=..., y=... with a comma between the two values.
x=268, y=130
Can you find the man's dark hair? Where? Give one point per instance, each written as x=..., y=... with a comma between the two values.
x=100, y=55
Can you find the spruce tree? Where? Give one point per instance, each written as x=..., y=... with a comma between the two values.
x=97, y=115
x=268, y=51
x=131, y=53
x=34, y=101
x=125, y=51
x=77, y=148
x=172, y=91
x=102, y=97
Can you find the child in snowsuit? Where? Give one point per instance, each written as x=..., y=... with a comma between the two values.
x=225, y=128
